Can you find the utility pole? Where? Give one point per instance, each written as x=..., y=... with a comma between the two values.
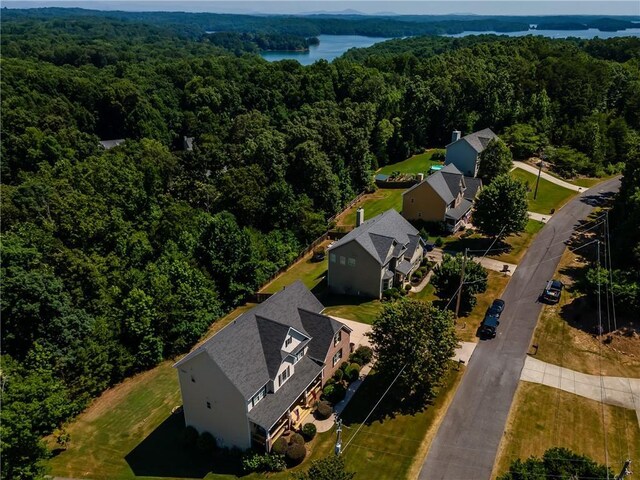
x=625, y=470
x=464, y=265
x=338, y=448
x=535, y=194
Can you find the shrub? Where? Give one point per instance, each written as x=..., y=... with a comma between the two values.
x=309, y=431
x=362, y=355
x=332, y=380
x=407, y=288
x=189, y=436
x=417, y=274
x=438, y=156
x=438, y=243
x=339, y=392
x=344, y=365
x=323, y=410
x=296, y=438
x=206, y=442
x=295, y=454
x=337, y=377
x=353, y=372
x=328, y=391
x=257, y=462
x=280, y=446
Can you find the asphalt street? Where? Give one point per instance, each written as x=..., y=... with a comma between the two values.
x=467, y=441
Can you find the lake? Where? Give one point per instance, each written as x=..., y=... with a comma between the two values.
x=332, y=46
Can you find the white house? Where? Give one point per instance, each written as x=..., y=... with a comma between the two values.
x=464, y=152
x=262, y=374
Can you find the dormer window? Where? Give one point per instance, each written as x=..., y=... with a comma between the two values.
x=288, y=341
x=283, y=376
x=258, y=396
x=337, y=337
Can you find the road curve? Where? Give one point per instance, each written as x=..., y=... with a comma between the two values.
x=467, y=441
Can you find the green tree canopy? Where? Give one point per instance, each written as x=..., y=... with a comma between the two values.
x=501, y=208
x=524, y=140
x=495, y=160
x=446, y=280
x=419, y=337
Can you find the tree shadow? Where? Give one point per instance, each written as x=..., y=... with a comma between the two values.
x=162, y=454
x=478, y=245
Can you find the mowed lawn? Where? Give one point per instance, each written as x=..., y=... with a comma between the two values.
x=550, y=196
x=130, y=432
x=374, y=204
x=420, y=163
x=311, y=273
x=542, y=417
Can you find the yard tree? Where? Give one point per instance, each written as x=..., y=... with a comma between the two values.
x=501, y=208
x=330, y=468
x=560, y=463
x=418, y=337
x=495, y=160
x=446, y=280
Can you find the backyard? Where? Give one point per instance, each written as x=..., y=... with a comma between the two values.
x=550, y=196
x=420, y=163
x=374, y=204
x=542, y=417
x=130, y=432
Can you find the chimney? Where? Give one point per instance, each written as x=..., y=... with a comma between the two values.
x=420, y=177
x=455, y=135
x=359, y=217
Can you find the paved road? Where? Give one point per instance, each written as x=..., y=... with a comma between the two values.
x=467, y=441
x=546, y=176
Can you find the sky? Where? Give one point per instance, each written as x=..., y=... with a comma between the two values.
x=481, y=7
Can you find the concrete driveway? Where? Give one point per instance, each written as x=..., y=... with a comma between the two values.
x=546, y=176
x=467, y=441
x=358, y=331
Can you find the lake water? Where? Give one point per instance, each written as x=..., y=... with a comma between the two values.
x=332, y=46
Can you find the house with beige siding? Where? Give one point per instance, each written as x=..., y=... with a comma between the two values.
x=378, y=254
x=464, y=152
x=444, y=196
x=262, y=374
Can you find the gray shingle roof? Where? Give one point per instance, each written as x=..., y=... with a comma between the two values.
x=458, y=212
x=377, y=235
x=473, y=185
x=248, y=349
x=271, y=408
x=107, y=144
x=478, y=140
x=322, y=329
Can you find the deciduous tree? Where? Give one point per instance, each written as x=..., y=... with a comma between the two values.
x=501, y=208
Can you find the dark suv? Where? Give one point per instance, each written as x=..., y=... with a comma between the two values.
x=489, y=326
x=552, y=291
x=496, y=307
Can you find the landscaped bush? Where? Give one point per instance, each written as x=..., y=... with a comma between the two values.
x=206, y=443
x=327, y=391
x=407, y=288
x=257, y=462
x=362, y=355
x=417, y=275
x=344, y=365
x=438, y=243
x=296, y=438
x=323, y=410
x=331, y=381
x=280, y=446
x=438, y=156
x=295, y=454
x=309, y=431
x=189, y=436
x=392, y=294
x=337, y=377
x=338, y=394
x=353, y=372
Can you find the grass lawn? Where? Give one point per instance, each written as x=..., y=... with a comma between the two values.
x=564, y=335
x=542, y=417
x=311, y=273
x=518, y=243
x=351, y=308
x=549, y=196
x=129, y=432
x=468, y=326
x=374, y=204
x=420, y=163
x=428, y=294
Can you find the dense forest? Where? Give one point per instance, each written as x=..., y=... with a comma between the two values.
x=113, y=260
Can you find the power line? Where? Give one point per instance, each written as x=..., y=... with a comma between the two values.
x=613, y=302
x=374, y=407
x=604, y=426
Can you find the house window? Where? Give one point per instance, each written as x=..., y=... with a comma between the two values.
x=332, y=257
x=419, y=214
x=351, y=262
x=337, y=337
x=209, y=405
x=193, y=379
x=283, y=376
x=412, y=200
x=288, y=341
x=343, y=260
x=337, y=357
x=259, y=396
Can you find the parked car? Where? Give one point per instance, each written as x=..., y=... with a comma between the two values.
x=489, y=326
x=496, y=307
x=318, y=256
x=552, y=291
